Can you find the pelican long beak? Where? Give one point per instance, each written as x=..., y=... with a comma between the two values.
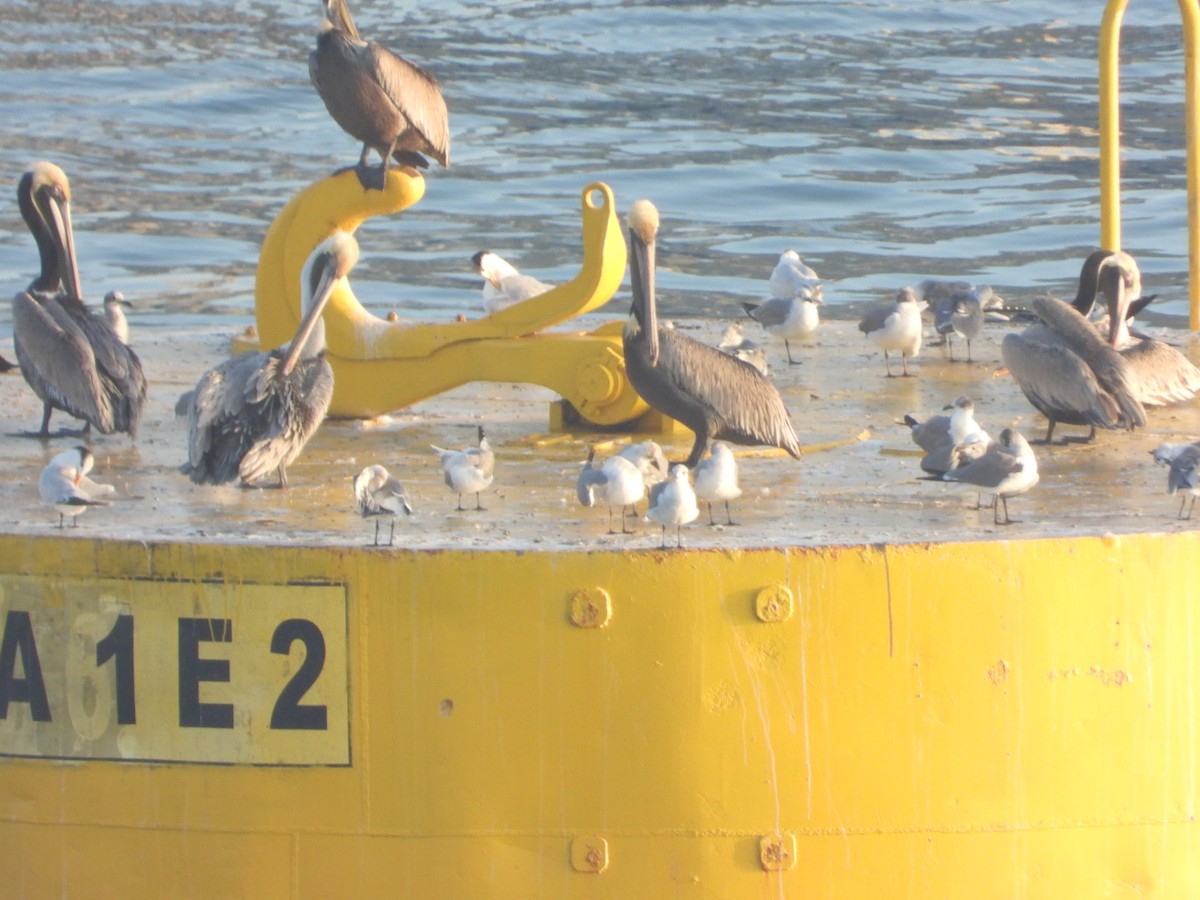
x=60, y=215
x=321, y=294
x=641, y=282
x=1112, y=283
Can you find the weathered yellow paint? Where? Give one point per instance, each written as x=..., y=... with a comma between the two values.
x=1110, y=135
x=382, y=366
x=1000, y=719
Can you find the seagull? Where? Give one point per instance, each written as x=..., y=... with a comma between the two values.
x=113, y=301
x=1007, y=468
x=791, y=279
x=733, y=343
x=468, y=471
x=379, y=494
x=649, y=458
x=790, y=319
x=717, y=479
x=673, y=502
x=896, y=327
x=1185, y=476
x=940, y=436
x=503, y=285
x=959, y=314
x=64, y=484
x=619, y=482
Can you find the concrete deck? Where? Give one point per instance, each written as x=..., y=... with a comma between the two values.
x=859, y=484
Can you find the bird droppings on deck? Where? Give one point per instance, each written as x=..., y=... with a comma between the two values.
x=858, y=481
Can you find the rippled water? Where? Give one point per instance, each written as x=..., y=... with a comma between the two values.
x=887, y=141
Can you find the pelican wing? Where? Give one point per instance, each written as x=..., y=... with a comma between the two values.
x=1111, y=371
x=740, y=400
x=1057, y=382
x=1164, y=374
x=58, y=360
x=415, y=93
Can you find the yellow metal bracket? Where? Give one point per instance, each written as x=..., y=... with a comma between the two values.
x=1110, y=137
x=381, y=366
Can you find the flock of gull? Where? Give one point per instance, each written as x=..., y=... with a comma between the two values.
x=249, y=417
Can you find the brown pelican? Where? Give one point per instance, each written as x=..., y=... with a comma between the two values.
x=389, y=104
x=252, y=415
x=1163, y=375
x=1067, y=371
x=503, y=285
x=1007, y=468
x=68, y=353
x=468, y=471
x=379, y=494
x=896, y=327
x=64, y=484
x=712, y=393
x=717, y=479
x=673, y=502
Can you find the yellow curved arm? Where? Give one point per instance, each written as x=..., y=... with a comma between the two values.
x=381, y=366
x=1110, y=136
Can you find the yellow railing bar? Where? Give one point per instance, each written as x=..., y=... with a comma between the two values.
x=1110, y=137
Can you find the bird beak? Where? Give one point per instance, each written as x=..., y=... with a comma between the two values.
x=1115, y=293
x=324, y=290
x=641, y=278
x=61, y=215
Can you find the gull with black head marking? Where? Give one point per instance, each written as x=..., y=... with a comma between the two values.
x=1007, y=469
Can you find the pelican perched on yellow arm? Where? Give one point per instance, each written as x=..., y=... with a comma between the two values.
x=391, y=105
x=252, y=415
x=69, y=353
x=714, y=394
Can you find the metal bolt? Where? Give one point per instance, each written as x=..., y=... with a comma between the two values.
x=777, y=852
x=589, y=853
x=774, y=604
x=591, y=608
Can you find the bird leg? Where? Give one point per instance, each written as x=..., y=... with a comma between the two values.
x=950, y=347
x=678, y=537
x=710, y=517
x=460, y=506
x=478, y=502
x=60, y=517
x=370, y=177
x=888, y=364
x=904, y=360
x=1192, y=507
x=663, y=545
x=376, y=544
x=392, y=533
x=791, y=361
x=969, y=350
x=728, y=515
x=625, y=530
x=610, y=528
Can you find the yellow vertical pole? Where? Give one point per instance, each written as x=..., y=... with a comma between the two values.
x=1110, y=137
x=1190, y=10
x=1110, y=125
